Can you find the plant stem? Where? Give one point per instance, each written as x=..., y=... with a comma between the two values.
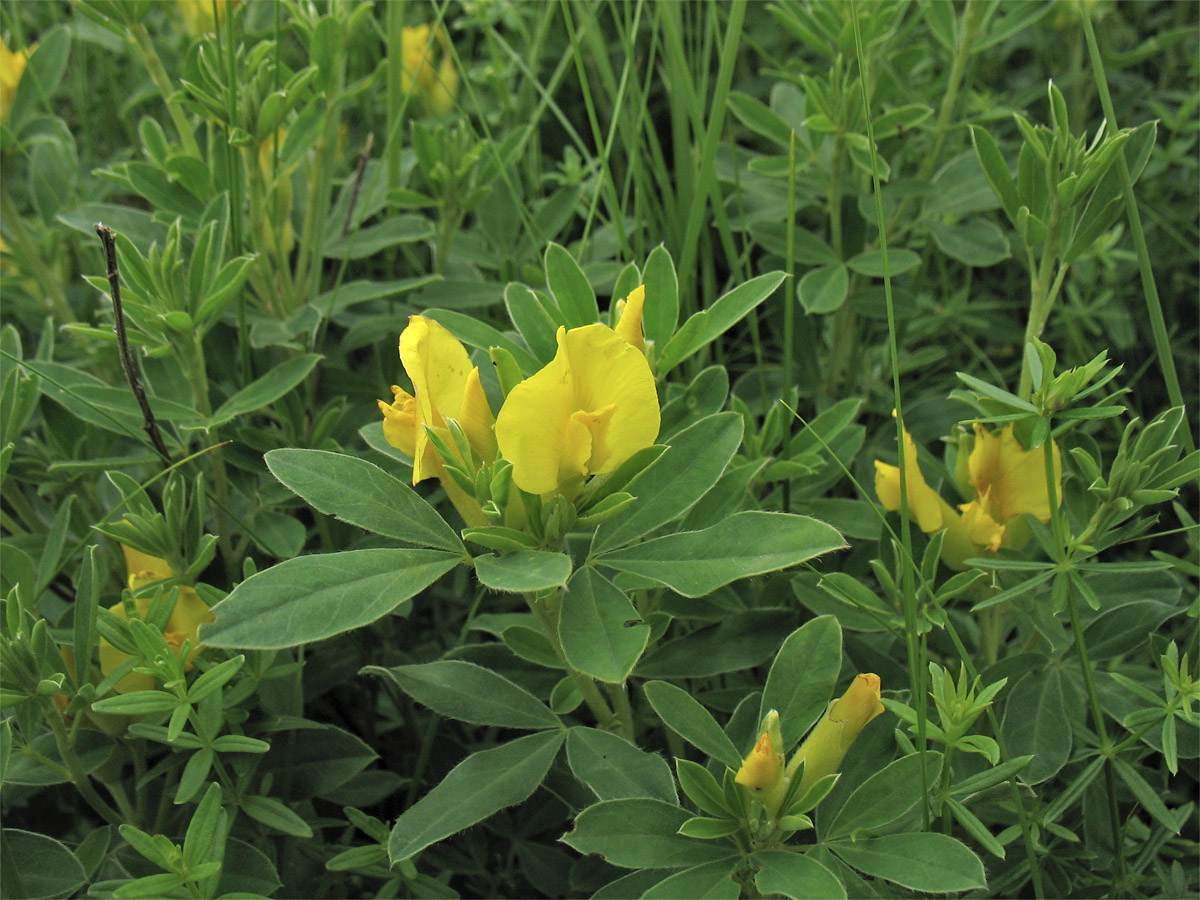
x=547, y=616
x=1042, y=293
x=79, y=778
x=145, y=47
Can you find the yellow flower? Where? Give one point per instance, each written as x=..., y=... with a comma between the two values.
x=629, y=321
x=826, y=745
x=445, y=386
x=1007, y=480
x=437, y=90
x=586, y=412
x=762, y=770
x=189, y=614
x=198, y=17
x=12, y=67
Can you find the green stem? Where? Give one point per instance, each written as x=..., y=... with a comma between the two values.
x=1158, y=325
x=1042, y=295
x=947, y=816
x=79, y=778
x=145, y=47
x=547, y=615
x=619, y=694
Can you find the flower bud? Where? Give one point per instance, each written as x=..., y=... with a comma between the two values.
x=761, y=773
x=826, y=745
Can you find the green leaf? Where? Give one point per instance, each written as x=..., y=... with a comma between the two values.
x=995, y=169
x=661, y=312
x=727, y=311
x=701, y=788
x=638, y=833
x=695, y=563
x=615, y=769
x=976, y=242
x=1033, y=724
x=885, y=796
x=688, y=469
x=1149, y=797
x=276, y=815
x=705, y=829
x=362, y=494
x=470, y=693
x=709, y=881
x=314, y=597
x=824, y=289
x=760, y=118
x=45, y=868
x=928, y=862
x=525, y=570
x=684, y=715
x=138, y=703
x=570, y=288
x=602, y=633
x=482, y=784
x=323, y=757
x=264, y=390
x=364, y=242
x=802, y=677
x=739, y=641
x=796, y=876
x=871, y=262
x=202, y=830
x=971, y=824
x=534, y=320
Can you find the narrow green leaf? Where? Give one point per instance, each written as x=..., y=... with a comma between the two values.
x=570, y=288
x=922, y=861
x=615, y=769
x=264, y=390
x=276, y=815
x=685, y=716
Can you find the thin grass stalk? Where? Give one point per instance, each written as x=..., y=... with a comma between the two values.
x=1158, y=324
x=917, y=663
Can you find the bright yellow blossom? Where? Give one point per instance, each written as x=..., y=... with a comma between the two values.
x=445, y=386
x=12, y=67
x=197, y=15
x=1007, y=481
x=437, y=90
x=586, y=412
x=189, y=614
x=826, y=745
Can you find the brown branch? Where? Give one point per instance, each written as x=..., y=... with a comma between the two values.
x=128, y=363
x=363, y=157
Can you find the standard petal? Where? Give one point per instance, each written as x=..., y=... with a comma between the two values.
x=475, y=418
x=438, y=366
x=924, y=503
x=531, y=430
x=143, y=568
x=609, y=371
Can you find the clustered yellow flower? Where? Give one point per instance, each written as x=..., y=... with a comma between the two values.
x=189, y=614
x=586, y=412
x=12, y=67
x=1005, y=479
x=436, y=90
x=763, y=772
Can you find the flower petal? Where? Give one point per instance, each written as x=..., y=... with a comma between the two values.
x=1014, y=476
x=629, y=325
x=924, y=503
x=438, y=366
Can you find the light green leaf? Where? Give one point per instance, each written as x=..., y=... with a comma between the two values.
x=482, y=784
x=885, y=796
x=264, y=390
x=684, y=715
x=796, y=876
x=922, y=861
x=364, y=242
x=314, y=597
x=1033, y=724
x=824, y=289
x=601, y=632
x=276, y=815
x=525, y=570
x=976, y=242
x=362, y=494
x=615, y=769
x=803, y=676
x=470, y=693
x=710, y=881
x=695, y=563
x=570, y=288
x=661, y=312
x=638, y=833
x=45, y=868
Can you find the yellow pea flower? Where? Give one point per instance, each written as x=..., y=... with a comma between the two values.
x=446, y=386
x=586, y=412
x=1007, y=480
x=189, y=614
x=197, y=15
x=436, y=89
x=762, y=771
x=12, y=67
x=629, y=319
x=826, y=745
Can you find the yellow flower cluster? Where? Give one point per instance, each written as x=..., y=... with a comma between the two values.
x=586, y=412
x=12, y=67
x=189, y=614
x=1006, y=479
x=437, y=89
x=763, y=772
